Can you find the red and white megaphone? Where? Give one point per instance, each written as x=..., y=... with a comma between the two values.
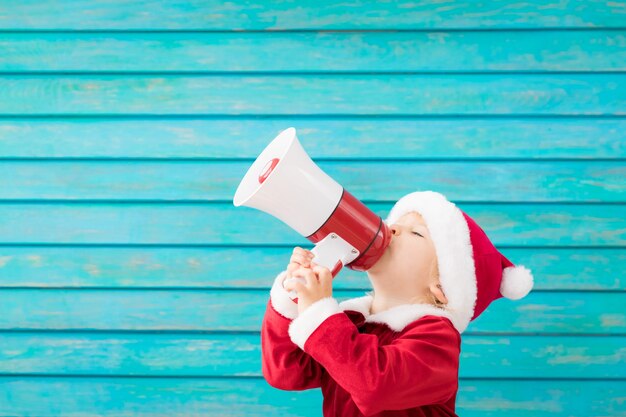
x=284, y=182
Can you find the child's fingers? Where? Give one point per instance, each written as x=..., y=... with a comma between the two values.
x=294, y=266
x=323, y=271
x=302, y=251
x=305, y=254
x=307, y=274
x=294, y=283
x=301, y=258
x=324, y=274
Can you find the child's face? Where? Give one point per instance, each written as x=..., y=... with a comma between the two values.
x=410, y=259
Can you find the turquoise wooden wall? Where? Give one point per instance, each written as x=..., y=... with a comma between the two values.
x=131, y=286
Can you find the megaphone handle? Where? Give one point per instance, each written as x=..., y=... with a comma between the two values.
x=294, y=295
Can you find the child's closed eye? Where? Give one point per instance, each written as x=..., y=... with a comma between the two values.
x=417, y=234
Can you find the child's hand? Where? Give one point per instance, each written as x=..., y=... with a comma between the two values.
x=299, y=257
x=318, y=285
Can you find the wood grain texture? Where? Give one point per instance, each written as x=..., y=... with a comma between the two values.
x=215, y=355
x=315, y=51
x=208, y=267
x=321, y=14
x=243, y=397
x=519, y=224
x=206, y=181
x=531, y=94
x=344, y=138
x=558, y=312
x=126, y=288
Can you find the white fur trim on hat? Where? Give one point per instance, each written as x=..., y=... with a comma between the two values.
x=451, y=237
x=279, y=298
x=517, y=281
x=305, y=324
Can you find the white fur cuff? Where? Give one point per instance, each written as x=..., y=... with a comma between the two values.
x=279, y=297
x=305, y=324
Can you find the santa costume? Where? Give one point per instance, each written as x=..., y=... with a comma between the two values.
x=403, y=361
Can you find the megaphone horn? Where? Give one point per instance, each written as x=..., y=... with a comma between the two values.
x=284, y=182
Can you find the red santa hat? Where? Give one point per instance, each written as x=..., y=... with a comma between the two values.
x=472, y=272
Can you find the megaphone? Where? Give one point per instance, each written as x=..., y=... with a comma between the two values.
x=284, y=182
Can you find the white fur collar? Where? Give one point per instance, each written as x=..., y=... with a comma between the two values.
x=398, y=317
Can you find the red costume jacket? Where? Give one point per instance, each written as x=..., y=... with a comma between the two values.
x=400, y=362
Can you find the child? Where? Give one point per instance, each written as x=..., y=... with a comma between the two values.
x=394, y=351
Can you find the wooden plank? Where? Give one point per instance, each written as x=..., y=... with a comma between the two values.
x=240, y=355
x=253, y=397
x=321, y=14
x=320, y=94
x=229, y=267
x=563, y=225
x=511, y=181
x=204, y=310
x=194, y=138
x=326, y=52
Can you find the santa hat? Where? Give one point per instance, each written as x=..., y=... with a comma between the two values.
x=472, y=272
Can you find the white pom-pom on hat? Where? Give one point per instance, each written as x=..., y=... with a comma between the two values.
x=517, y=281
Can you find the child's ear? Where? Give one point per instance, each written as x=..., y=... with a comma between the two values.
x=435, y=288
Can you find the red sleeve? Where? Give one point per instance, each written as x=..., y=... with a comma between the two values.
x=285, y=365
x=418, y=368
